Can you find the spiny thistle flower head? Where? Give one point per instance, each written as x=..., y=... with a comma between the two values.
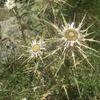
x=72, y=39
x=37, y=47
x=71, y=35
x=10, y=4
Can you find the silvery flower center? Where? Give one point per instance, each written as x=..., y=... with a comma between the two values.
x=35, y=47
x=71, y=35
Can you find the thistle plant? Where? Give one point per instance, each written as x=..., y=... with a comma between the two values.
x=72, y=39
x=57, y=56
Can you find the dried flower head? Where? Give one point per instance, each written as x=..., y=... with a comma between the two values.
x=37, y=47
x=10, y=4
x=70, y=35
